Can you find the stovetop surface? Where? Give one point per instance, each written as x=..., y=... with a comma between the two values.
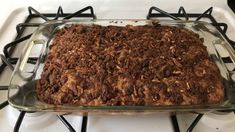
x=16, y=12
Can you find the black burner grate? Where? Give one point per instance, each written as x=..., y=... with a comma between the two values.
x=20, y=28
x=222, y=27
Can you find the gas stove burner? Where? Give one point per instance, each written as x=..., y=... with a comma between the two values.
x=9, y=49
x=222, y=27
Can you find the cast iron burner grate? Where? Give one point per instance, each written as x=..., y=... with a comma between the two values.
x=9, y=49
x=20, y=28
x=222, y=27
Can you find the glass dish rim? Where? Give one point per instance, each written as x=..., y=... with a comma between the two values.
x=55, y=108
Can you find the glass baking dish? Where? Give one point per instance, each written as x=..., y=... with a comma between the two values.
x=22, y=94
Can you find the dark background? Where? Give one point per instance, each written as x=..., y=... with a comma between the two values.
x=231, y=4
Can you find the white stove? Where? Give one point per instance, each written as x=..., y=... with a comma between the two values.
x=13, y=13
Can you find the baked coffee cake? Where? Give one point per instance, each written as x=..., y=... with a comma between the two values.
x=148, y=65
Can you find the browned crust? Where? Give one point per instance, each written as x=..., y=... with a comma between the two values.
x=132, y=65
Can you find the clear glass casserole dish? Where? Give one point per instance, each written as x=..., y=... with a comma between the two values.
x=22, y=94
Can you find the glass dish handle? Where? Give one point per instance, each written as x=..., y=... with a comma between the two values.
x=230, y=51
x=26, y=57
x=231, y=74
